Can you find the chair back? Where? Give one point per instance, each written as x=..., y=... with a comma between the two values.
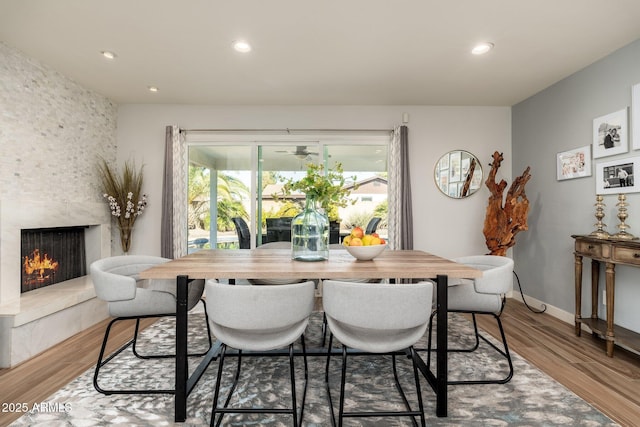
x=259, y=317
x=377, y=317
x=275, y=245
x=244, y=235
x=372, y=225
x=115, y=278
x=497, y=273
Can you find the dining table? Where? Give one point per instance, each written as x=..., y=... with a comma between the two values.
x=393, y=265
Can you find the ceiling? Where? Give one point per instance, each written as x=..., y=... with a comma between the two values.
x=323, y=52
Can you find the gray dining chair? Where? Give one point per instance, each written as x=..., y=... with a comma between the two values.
x=482, y=296
x=275, y=245
x=259, y=318
x=377, y=318
x=116, y=280
x=340, y=247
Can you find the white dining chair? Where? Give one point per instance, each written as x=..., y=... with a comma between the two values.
x=275, y=245
x=116, y=280
x=259, y=318
x=377, y=318
x=482, y=296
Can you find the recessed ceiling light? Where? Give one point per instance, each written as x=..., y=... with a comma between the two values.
x=153, y=89
x=242, y=46
x=482, y=48
x=108, y=54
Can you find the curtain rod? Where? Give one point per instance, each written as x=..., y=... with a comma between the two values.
x=287, y=130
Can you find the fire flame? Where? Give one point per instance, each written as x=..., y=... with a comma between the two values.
x=38, y=264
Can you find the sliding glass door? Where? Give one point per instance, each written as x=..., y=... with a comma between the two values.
x=238, y=180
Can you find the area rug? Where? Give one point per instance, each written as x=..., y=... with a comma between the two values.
x=531, y=398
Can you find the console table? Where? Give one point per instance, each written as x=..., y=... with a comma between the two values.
x=611, y=252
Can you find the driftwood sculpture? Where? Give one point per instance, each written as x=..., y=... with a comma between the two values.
x=502, y=223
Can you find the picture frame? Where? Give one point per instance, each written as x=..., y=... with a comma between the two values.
x=610, y=134
x=574, y=163
x=635, y=116
x=609, y=179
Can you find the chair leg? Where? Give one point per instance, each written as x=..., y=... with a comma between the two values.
x=291, y=411
x=478, y=336
x=359, y=414
x=168, y=356
x=100, y=363
x=326, y=381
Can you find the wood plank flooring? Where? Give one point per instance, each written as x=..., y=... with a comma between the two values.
x=610, y=384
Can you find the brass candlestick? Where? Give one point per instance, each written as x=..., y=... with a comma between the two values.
x=599, y=232
x=622, y=216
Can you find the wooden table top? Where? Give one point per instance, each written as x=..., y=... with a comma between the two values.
x=277, y=263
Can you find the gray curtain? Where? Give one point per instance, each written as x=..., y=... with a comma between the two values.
x=166, y=222
x=406, y=215
x=400, y=209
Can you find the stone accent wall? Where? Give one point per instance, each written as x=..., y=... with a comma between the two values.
x=52, y=130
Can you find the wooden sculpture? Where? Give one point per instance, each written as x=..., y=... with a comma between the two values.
x=502, y=223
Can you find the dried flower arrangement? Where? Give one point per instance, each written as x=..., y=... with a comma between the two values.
x=125, y=197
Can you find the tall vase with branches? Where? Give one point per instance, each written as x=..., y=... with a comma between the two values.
x=125, y=197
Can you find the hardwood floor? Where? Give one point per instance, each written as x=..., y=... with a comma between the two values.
x=610, y=384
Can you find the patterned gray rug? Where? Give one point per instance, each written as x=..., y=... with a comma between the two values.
x=531, y=398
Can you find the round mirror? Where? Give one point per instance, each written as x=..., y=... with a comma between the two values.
x=458, y=174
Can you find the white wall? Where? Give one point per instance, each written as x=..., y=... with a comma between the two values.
x=559, y=119
x=443, y=226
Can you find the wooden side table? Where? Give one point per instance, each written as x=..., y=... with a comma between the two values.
x=611, y=252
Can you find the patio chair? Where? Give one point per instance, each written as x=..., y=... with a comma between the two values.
x=244, y=235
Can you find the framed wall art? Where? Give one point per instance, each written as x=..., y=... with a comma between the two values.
x=618, y=176
x=574, y=163
x=610, y=134
x=635, y=116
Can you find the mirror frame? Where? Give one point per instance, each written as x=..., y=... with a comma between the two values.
x=457, y=170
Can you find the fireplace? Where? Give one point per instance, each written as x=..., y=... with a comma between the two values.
x=33, y=321
x=50, y=256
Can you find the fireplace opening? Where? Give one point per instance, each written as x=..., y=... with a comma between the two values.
x=51, y=255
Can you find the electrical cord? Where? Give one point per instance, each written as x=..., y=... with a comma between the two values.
x=544, y=306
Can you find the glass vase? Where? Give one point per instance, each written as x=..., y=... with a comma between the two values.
x=125, y=237
x=310, y=234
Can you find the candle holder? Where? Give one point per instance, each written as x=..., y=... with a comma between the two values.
x=622, y=216
x=599, y=232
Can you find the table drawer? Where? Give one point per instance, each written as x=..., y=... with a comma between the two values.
x=590, y=249
x=626, y=255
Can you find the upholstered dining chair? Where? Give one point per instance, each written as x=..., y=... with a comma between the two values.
x=377, y=318
x=481, y=296
x=259, y=318
x=340, y=246
x=275, y=245
x=243, y=232
x=116, y=281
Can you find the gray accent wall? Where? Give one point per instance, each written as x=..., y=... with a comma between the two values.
x=560, y=118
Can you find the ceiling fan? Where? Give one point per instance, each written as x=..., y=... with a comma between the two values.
x=301, y=152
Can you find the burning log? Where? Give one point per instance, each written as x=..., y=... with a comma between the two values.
x=502, y=223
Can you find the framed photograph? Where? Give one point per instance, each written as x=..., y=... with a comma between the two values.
x=617, y=176
x=610, y=134
x=635, y=116
x=574, y=163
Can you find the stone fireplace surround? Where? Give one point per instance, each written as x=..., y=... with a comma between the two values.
x=32, y=322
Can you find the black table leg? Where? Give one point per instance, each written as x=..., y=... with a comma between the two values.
x=442, y=367
x=182, y=291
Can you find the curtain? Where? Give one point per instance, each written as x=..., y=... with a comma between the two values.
x=173, y=232
x=400, y=206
